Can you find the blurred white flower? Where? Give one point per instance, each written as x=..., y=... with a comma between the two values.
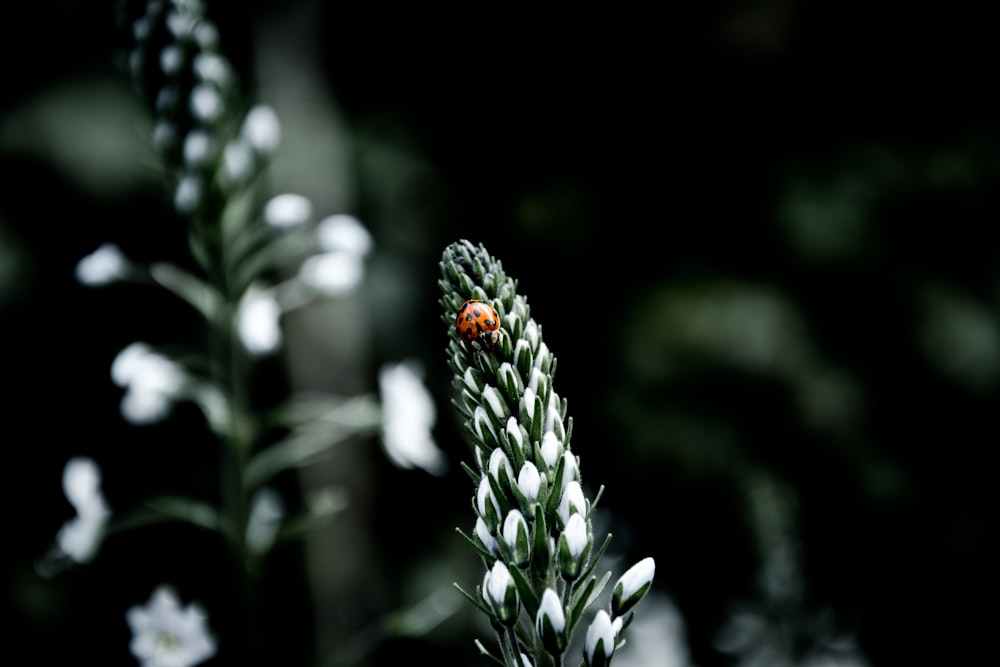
x=188, y=194
x=408, y=417
x=164, y=634
x=152, y=382
x=171, y=59
x=237, y=161
x=197, y=148
x=211, y=67
x=206, y=102
x=344, y=233
x=266, y=513
x=287, y=210
x=103, y=266
x=206, y=35
x=164, y=135
x=180, y=24
x=262, y=129
x=80, y=536
x=258, y=321
x=656, y=637
x=332, y=273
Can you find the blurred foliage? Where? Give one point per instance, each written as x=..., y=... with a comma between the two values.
x=762, y=237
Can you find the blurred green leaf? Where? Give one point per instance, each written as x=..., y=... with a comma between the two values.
x=191, y=289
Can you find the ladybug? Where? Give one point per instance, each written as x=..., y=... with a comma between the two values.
x=478, y=325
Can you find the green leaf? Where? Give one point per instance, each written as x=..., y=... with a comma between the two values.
x=489, y=657
x=475, y=545
x=323, y=506
x=196, y=292
x=314, y=438
x=474, y=600
x=195, y=512
x=529, y=598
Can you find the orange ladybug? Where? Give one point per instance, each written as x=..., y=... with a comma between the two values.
x=478, y=325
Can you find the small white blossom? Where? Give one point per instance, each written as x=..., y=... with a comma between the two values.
x=516, y=536
x=552, y=449
x=287, y=210
x=472, y=381
x=529, y=403
x=409, y=416
x=180, y=24
x=237, y=161
x=537, y=380
x=486, y=502
x=572, y=501
x=514, y=433
x=259, y=321
x=171, y=59
x=103, y=266
x=601, y=632
x=206, y=102
x=188, y=195
x=332, y=273
x=571, y=472
x=576, y=535
x=164, y=634
x=495, y=404
x=141, y=28
x=197, y=148
x=632, y=586
x=528, y=481
x=266, y=513
x=542, y=356
x=151, y=381
x=80, y=536
x=344, y=233
x=550, y=623
x=479, y=419
x=498, y=460
x=553, y=419
x=531, y=334
x=206, y=35
x=483, y=533
x=500, y=593
x=212, y=68
x=262, y=129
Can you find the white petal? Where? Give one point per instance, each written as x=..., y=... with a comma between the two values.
x=287, y=210
x=344, y=233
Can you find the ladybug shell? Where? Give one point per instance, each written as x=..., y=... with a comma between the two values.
x=476, y=318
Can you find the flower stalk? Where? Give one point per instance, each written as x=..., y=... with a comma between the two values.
x=533, y=519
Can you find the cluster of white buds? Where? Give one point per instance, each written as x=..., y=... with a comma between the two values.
x=212, y=145
x=533, y=519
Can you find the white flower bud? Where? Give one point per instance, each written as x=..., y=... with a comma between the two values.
x=550, y=623
x=632, y=586
x=483, y=533
x=572, y=501
x=552, y=449
x=600, y=643
x=514, y=434
x=528, y=481
x=500, y=593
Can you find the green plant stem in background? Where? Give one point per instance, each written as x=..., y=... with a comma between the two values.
x=533, y=521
